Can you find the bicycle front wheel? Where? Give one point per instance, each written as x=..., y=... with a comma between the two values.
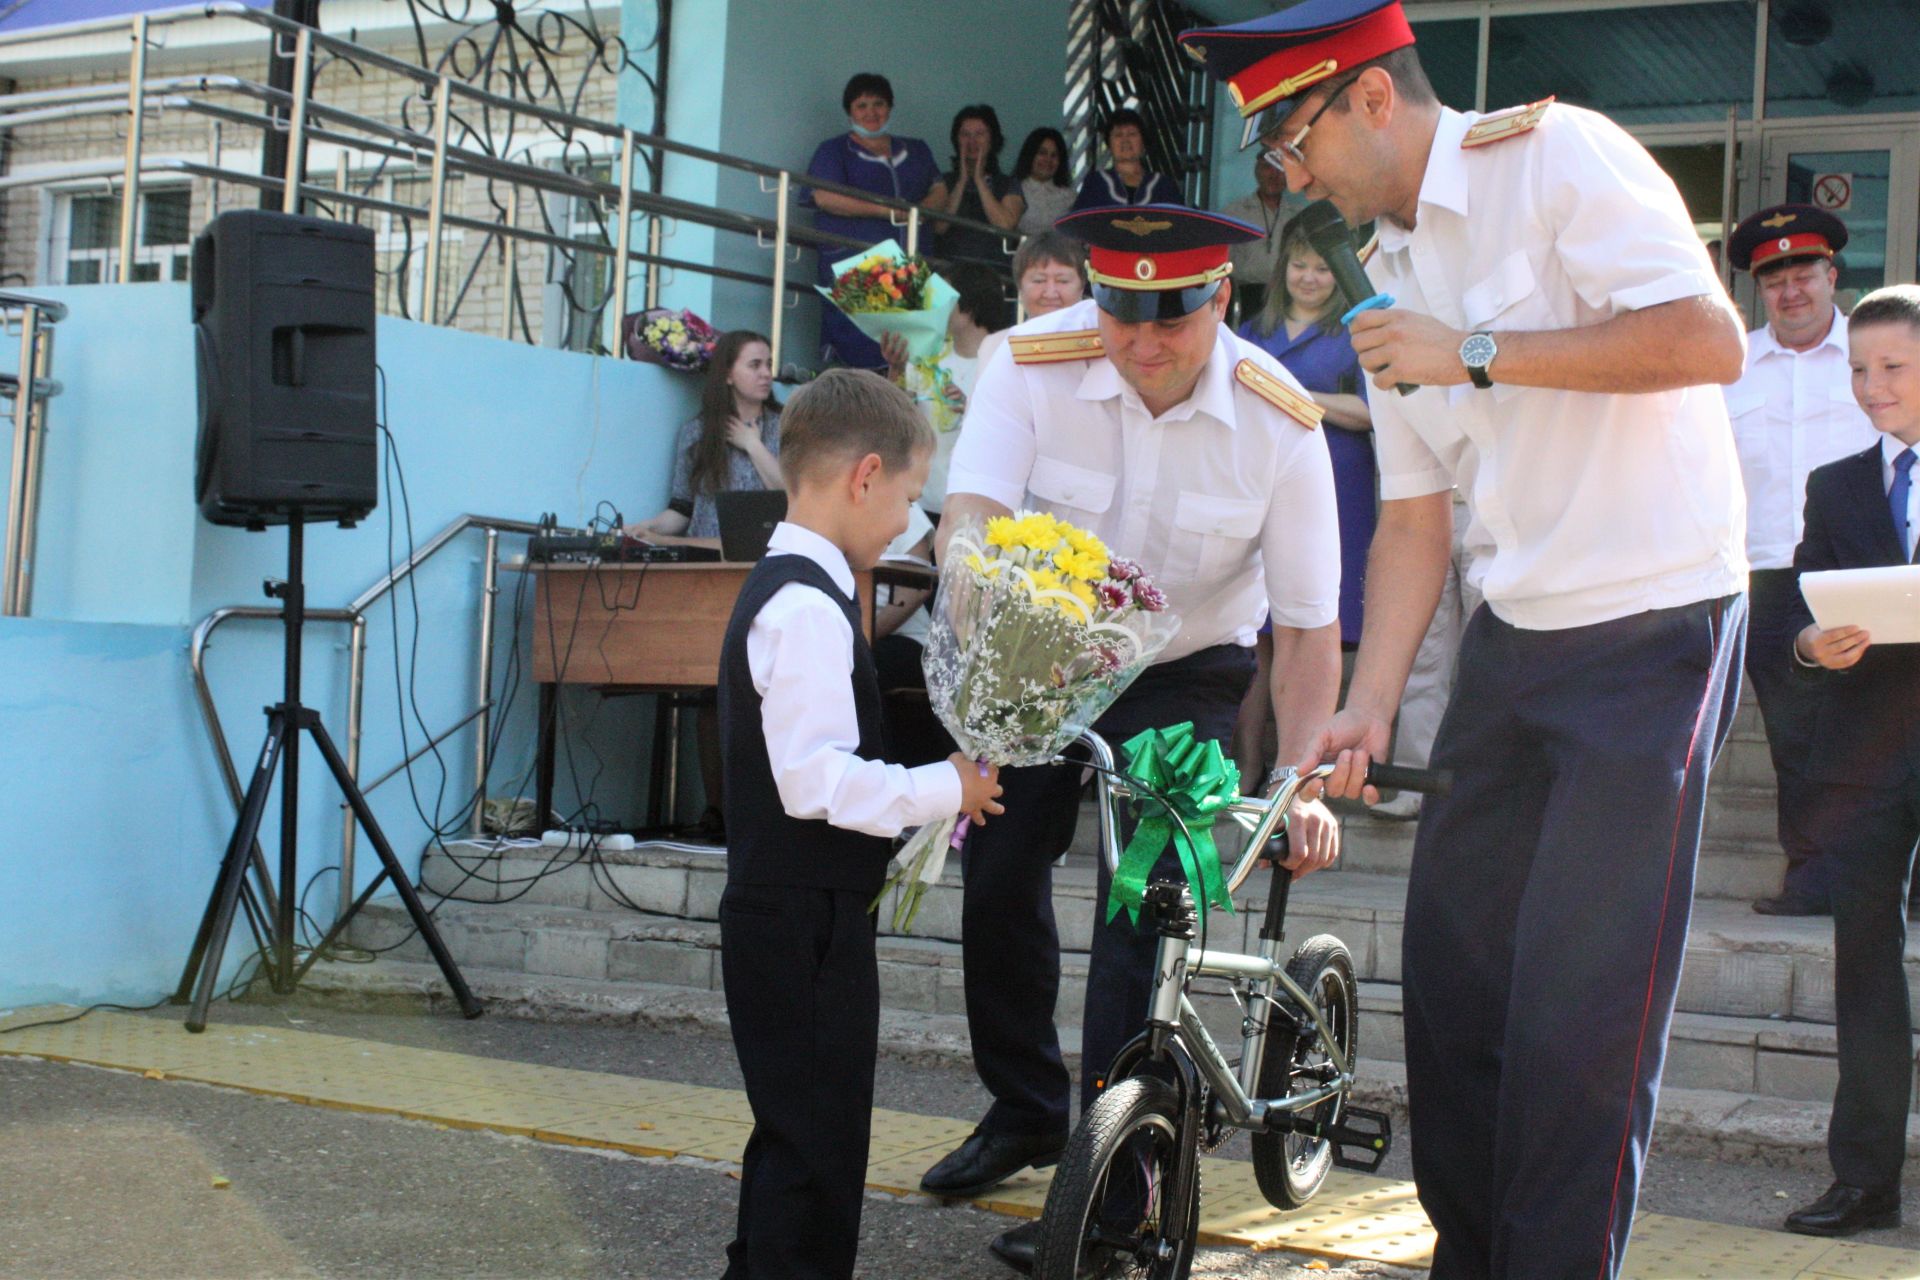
x=1107, y=1213
x=1290, y=1167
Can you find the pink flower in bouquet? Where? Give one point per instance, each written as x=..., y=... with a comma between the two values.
x=1148, y=596
x=1123, y=570
x=1111, y=594
x=1106, y=659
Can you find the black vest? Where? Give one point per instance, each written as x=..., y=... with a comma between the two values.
x=764, y=845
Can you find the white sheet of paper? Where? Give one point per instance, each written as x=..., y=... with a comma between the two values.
x=1885, y=600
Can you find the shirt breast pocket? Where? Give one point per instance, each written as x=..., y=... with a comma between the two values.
x=1075, y=494
x=1501, y=297
x=1212, y=535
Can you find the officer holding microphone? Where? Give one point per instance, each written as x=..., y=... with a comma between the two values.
x=1564, y=330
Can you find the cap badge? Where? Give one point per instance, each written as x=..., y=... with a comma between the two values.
x=1142, y=226
x=1143, y=267
x=1779, y=220
x=1785, y=244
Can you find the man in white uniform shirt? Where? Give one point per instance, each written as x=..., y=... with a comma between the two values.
x=1793, y=410
x=1562, y=326
x=1138, y=416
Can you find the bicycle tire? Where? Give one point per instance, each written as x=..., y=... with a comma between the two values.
x=1135, y=1120
x=1290, y=1167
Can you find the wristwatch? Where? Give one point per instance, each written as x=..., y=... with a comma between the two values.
x=1477, y=352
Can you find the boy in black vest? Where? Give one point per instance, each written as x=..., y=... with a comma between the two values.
x=1864, y=512
x=811, y=810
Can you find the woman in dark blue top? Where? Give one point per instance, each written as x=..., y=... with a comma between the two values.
x=1300, y=326
x=976, y=189
x=868, y=158
x=1129, y=181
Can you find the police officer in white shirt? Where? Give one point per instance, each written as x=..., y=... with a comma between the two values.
x=1793, y=410
x=1563, y=328
x=1138, y=416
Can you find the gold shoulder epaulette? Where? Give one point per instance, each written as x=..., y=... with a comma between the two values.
x=1502, y=125
x=1056, y=348
x=1278, y=394
x=1371, y=247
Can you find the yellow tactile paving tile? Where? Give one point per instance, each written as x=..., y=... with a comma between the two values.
x=1353, y=1217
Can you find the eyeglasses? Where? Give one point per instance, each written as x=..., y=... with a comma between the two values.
x=1290, y=149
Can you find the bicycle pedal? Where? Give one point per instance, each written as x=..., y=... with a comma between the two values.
x=1361, y=1139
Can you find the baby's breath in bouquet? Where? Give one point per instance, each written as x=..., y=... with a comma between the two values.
x=1037, y=628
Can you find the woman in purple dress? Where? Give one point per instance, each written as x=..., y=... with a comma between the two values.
x=1300, y=326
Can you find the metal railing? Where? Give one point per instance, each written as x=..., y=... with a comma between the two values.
x=308, y=121
x=354, y=615
x=29, y=389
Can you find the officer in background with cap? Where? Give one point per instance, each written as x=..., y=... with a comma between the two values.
x=1139, y=416
x=1793, y=410
x=1563, y=328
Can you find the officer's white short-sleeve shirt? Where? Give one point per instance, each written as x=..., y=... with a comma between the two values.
x=1585, y=506
x=1225, y=500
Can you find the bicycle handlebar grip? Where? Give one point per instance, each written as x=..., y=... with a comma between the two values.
x=1399, y=777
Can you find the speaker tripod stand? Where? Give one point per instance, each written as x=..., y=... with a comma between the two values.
x=274, y=928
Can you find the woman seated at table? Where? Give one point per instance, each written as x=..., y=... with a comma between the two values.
x=1300, y=326
x=732, y=443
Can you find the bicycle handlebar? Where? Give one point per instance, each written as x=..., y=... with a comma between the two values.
x=1259, y=815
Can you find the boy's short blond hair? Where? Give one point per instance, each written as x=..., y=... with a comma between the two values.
x=845, y=414
x=1895, y=304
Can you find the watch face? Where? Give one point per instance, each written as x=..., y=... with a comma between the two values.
x=1478, y=351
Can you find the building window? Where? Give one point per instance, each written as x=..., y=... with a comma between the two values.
x=579, y=281
x=87, y=237
x=1654, y=64
x=400, y=240
x=1841, y=57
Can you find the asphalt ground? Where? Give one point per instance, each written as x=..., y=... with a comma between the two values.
x=107, y=1174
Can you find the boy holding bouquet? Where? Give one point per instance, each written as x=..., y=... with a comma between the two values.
x=811, y=810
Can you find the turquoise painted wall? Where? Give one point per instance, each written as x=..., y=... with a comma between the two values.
x=113, y=819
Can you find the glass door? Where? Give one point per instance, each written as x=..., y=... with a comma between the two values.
x=1869, y=178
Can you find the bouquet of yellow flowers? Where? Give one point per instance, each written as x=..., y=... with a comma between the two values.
x=677, y=339
x=883, y=290
x=1037, y=628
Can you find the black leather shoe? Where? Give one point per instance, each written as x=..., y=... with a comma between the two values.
x=987, y=1159
x=1016, y=1246
x=1845, y=1210
x=1790, y=905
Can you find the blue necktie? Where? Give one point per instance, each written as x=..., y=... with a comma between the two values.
x=1897, y=497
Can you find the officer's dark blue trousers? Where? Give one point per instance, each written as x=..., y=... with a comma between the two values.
x=1546, y=920
x=1009, y=943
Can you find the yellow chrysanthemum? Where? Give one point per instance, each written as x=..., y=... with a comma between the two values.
x=1084, y=594
x=1085, y=543
x=984, y=567
x=1001, y=532
x=1081, y=565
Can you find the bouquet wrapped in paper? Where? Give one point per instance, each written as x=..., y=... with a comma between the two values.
x=882, y=291
x=1036, y=629
x=677, y=339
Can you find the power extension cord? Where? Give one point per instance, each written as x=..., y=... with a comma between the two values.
x=611, y=841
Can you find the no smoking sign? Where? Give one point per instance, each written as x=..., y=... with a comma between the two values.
x=1833, y=192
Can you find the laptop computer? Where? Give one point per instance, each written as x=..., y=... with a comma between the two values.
x=747, y=517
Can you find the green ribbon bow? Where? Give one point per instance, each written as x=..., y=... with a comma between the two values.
x=1201, y=782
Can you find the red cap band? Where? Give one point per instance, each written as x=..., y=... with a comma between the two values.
x=1297, y=69
x=1180, y=269
x=1807, y=242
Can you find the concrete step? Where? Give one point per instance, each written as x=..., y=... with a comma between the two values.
x=1712, y=1123
x=1755, y=1004
x=1738, y=963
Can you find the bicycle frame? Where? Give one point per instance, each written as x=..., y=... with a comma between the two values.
x=1171, y=1015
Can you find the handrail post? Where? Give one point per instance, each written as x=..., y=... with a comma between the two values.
x=356, y=685
x=779, y=270
x=913, y=230
x=624, y=241
x=653, y=265
x=436, y=198
x=17, y=515
x=489, y=589
x=510, y=267
x=130, y=183
x=297, y=127
x=42, y=372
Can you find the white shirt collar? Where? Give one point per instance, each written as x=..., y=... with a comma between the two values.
x=1444, y=184
x=1212, y=395
x=1763, y=343
x=1891, y=447
x=796, y=540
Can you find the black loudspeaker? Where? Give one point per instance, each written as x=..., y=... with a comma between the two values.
x=283, y=314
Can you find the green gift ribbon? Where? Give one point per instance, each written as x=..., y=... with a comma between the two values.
x=1202, y=783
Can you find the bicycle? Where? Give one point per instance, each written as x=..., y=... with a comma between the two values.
x=1125, y=1199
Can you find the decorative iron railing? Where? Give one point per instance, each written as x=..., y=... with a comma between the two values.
x=1123, y=53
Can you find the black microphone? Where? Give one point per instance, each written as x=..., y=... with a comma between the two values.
x=1332, y=239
